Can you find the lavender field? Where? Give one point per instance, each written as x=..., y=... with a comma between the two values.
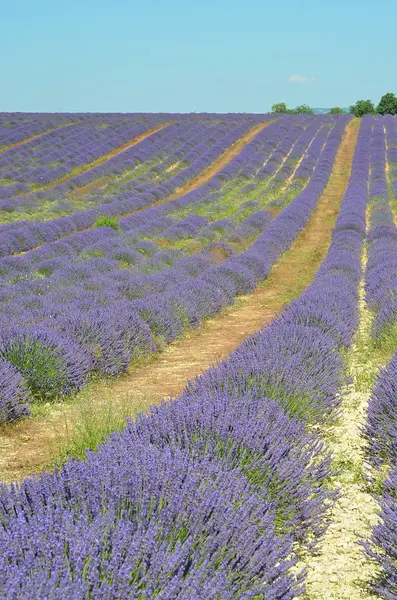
x=265, y=248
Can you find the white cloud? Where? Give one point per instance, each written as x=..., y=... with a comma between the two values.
x=300, y=78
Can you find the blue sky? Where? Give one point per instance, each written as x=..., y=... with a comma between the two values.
x=210, y=55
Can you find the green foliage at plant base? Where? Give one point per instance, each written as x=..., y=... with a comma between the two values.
x=40, y=365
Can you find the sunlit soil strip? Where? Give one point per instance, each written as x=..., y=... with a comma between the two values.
x=340, y=570
x=172, y=167
x=34, y=137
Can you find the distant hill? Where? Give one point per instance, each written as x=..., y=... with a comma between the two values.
x=323, y=111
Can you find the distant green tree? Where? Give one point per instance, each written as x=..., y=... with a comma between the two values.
x=336, y=110
x=303, y=109
x=362, y=107
x=280, y=107
x=387, y=105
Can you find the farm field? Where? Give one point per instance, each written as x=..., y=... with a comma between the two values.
x=198, y=356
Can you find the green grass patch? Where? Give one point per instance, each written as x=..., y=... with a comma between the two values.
x=91, y=420
x=107, y=222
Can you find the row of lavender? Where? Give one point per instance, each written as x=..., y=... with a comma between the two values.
x=272, y=169
x=155, y=222
x=151, y=170
x=283, y=131
x=390, y=125
x=58, y=330
x=381, y=427
x=18, y=127
x=98, y=276
x=54, y=154
x=272, y=145
x=157, y=152
x=22, y=235
x=262, y=159
x=89, y=143
x=109, y=253
x=207, y=496
x=190, y=139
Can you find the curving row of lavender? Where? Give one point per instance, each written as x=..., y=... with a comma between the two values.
x=119, y=203
x=156, y=222
x=381, y=277
x=188, y=139
x=381, y=434
x=208, y=495
x=56, y=153
x=24, y=235
x=146, y=183
x=160, y=222
x=18, y=127
x=381, y=427
x=280, y=137
x=106, y=251
x=85, y=318
x=266, y=164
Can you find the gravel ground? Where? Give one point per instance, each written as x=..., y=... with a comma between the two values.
x=339, y=570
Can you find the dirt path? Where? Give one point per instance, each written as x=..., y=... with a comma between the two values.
x=26, y=446
x=34, y=137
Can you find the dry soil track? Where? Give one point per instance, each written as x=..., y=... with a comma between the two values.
x=26, y=446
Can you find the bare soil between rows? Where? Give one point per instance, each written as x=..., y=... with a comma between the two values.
x=25, y=447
